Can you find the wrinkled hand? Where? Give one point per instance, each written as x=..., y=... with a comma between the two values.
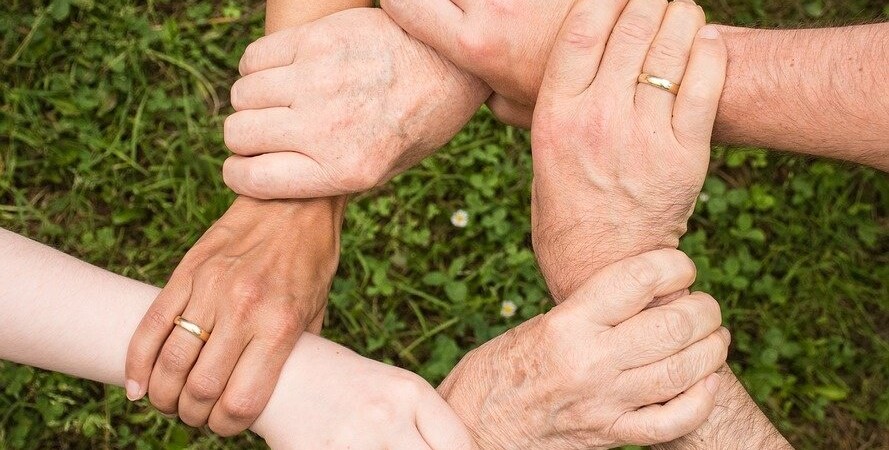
x=339, y=106
x=506, y=43
x=256, y=279
x=331, y=398
x=618, y=165
x=595, y=370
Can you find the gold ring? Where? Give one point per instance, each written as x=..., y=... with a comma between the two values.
x=660, y=83
x=192, y=328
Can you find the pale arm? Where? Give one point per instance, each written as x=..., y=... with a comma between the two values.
x=61, y=314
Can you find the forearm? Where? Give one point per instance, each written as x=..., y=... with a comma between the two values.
x=736, y=423
x=821, y=92
x=287, y=13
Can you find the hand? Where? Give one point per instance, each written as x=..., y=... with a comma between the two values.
x=256, y=279
x=339, y=106
x=594, y=371
x=506, y=43
x=331, y=398
x=618, y=165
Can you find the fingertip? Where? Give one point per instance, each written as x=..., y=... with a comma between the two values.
x=709, y=32
x=712, y=383
x=231, y=173
x=134, y=390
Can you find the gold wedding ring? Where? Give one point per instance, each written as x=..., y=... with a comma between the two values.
x=192, y=328
x=660, y=83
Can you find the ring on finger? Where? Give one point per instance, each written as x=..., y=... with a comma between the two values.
x=192, y=328
x=660, y=83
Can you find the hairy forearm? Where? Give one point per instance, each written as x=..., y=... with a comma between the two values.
x=821, y=92
x=736, y=423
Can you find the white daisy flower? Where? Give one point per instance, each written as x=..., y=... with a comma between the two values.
x=508, y=309
x=460, y=218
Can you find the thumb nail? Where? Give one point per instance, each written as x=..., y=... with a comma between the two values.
x=134, y=391
x=712, y=383
x=709, y=32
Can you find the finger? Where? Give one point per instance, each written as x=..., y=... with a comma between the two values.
x=678, y=417
x=668, y=57
x=658, y=333
x=437, y=23
x=210, y=374
x=262, y=89
x=510, y=112
x=669, y=377
x=440, y=426
x=698, y=99
x=176, y=359
x=620, y=291
x=152, y=333
x=279, y=175
x=629, y=44
x=275, y=50
x=253, y=132
x=574, y=60
x=250, y=386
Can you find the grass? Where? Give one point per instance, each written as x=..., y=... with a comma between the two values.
x=110, y=149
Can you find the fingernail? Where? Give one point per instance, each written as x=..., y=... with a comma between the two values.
x=712, y=383
x=709, y=32
x=134, y=391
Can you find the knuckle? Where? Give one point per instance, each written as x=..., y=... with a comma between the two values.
x=555, y=324
x=475, y=44
x=361, y=177
x=577, y=31
x=174, y=358
x=640, y=272
x=677, y=376
x=246, y=293
x=635, y=29
x=669, y=49
x=382, y=413
x=677, y=325
x=410, y=386
x=157, y=321
x=504, y=8
x=204, y=388
x=241, y=408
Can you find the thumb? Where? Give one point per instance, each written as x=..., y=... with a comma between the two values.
x=437, y=23
x=278, y=176
x=622, y=290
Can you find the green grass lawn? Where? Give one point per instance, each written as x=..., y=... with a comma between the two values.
x=110, y=149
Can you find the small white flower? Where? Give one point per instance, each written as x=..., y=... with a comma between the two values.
x=460, y=218
x=508, y=309
x=704, y=197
